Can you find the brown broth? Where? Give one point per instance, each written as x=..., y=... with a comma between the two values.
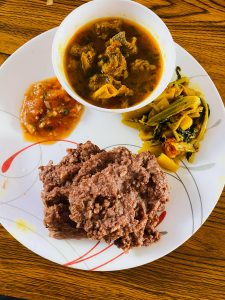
x=142, y=83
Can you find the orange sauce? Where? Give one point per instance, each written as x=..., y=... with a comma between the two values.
x=48, y=113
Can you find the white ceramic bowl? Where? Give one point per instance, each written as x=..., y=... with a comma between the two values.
x=114, y=8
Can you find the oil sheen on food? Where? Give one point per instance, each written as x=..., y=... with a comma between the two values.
x=113, y=63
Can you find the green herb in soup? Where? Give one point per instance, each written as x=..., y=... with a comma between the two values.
x=113, y=63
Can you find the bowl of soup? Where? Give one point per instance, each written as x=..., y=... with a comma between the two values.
x=114, y=56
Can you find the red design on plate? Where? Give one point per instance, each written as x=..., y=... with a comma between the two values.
x=76, y=261
x=162, y=217
x=6, y=165
x=107, y=262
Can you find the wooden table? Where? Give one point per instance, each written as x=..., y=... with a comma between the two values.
x=196, y=270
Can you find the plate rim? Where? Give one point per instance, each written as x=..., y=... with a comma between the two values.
x=53, y=30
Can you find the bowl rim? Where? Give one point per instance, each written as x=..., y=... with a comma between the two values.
x=64, y=80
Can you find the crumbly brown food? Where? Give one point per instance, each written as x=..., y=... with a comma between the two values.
x=105, y=195
x=57, y=180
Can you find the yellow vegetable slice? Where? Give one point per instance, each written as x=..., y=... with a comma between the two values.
x=175, y=108
x=163, y=103
x=186, y=123
x=183, y=80
x=107, y=91
x=205, y=121
x=169, y=92
x=154, y=149
x=167, y=163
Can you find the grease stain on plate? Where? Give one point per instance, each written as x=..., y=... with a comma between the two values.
x=22, y=225
x=3, y=186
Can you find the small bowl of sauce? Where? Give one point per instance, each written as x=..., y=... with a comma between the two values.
x=117, y=63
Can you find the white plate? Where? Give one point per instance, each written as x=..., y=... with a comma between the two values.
x=195, y=188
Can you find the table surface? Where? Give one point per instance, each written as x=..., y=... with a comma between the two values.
x=196, y=270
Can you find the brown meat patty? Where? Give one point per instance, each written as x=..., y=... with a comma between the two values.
x=111, y=195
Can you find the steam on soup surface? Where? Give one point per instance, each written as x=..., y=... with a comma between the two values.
x=113, y=63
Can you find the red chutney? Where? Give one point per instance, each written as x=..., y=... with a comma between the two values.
x=48, y=113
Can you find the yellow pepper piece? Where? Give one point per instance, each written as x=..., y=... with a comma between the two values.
x=107, y=91
x=163, y=103
x=167, y=163
x=186, y=123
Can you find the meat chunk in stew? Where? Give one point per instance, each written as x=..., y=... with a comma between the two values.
x=76, y=50
x=141, y=65
x=85, y=53
x=128, y=48
x=73, y=64
x=87, y=59
x=106, y=29
x=112, y=62
x=98, y=80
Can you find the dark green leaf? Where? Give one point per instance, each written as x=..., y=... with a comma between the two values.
x=66, y=112
x=178, y=70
